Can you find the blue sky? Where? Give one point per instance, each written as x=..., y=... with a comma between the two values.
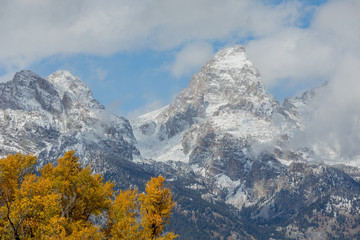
x=137, y=55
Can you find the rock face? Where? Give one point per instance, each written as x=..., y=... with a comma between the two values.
x=224, y=145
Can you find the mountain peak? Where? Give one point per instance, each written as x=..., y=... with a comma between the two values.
x=228, y=80
x=64, y=81
x=29, y=92
x=227, y=87
x=26, y=73
x=25, y=77
x=72, y=89
x=64, y=74
x=228, y=58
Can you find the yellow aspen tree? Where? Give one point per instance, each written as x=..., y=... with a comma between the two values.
x=82, y=194
x=58, y=204
x=29, y=207
x=156, y=206
x=122, y=217
x=13, y=169
x=36, y=210
x=83, y=231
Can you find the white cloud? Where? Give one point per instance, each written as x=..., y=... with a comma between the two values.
x=297, y=55
x=113, y=107
x=100, y=74
x=149, y=107
x=302, y=55
x=332, y=120
x=32, y=30
x=191, y=58
x=7, y=77
x=328, y=49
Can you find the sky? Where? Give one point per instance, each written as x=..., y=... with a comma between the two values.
x=137, y=55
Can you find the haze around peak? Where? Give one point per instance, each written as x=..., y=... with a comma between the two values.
x=332, y=119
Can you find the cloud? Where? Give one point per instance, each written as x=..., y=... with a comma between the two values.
x=100, y=74
x=33, y=30
x=304, y=55
x=7, y=77
x=328, y=49
x=295, y=55
x=191, y=58
x=149, y=107
x=332, y=119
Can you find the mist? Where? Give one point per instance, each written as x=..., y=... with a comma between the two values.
x=331, y=121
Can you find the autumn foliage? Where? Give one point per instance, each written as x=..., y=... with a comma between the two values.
x=63, y=201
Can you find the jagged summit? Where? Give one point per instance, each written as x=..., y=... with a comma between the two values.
x=72, y=90
x=227, y=83
x=30, y=92
x=64, y=81
x=227, y=95
x=230, y=81
x=230, y=58
x=24, y=77
x=58, y=92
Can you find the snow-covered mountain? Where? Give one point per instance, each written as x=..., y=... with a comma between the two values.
x=227, y=96
x=220, y=123
x=48, y=117
x=238, y=142
x=226, y=146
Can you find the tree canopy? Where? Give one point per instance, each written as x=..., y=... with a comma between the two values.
x=62, y=202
